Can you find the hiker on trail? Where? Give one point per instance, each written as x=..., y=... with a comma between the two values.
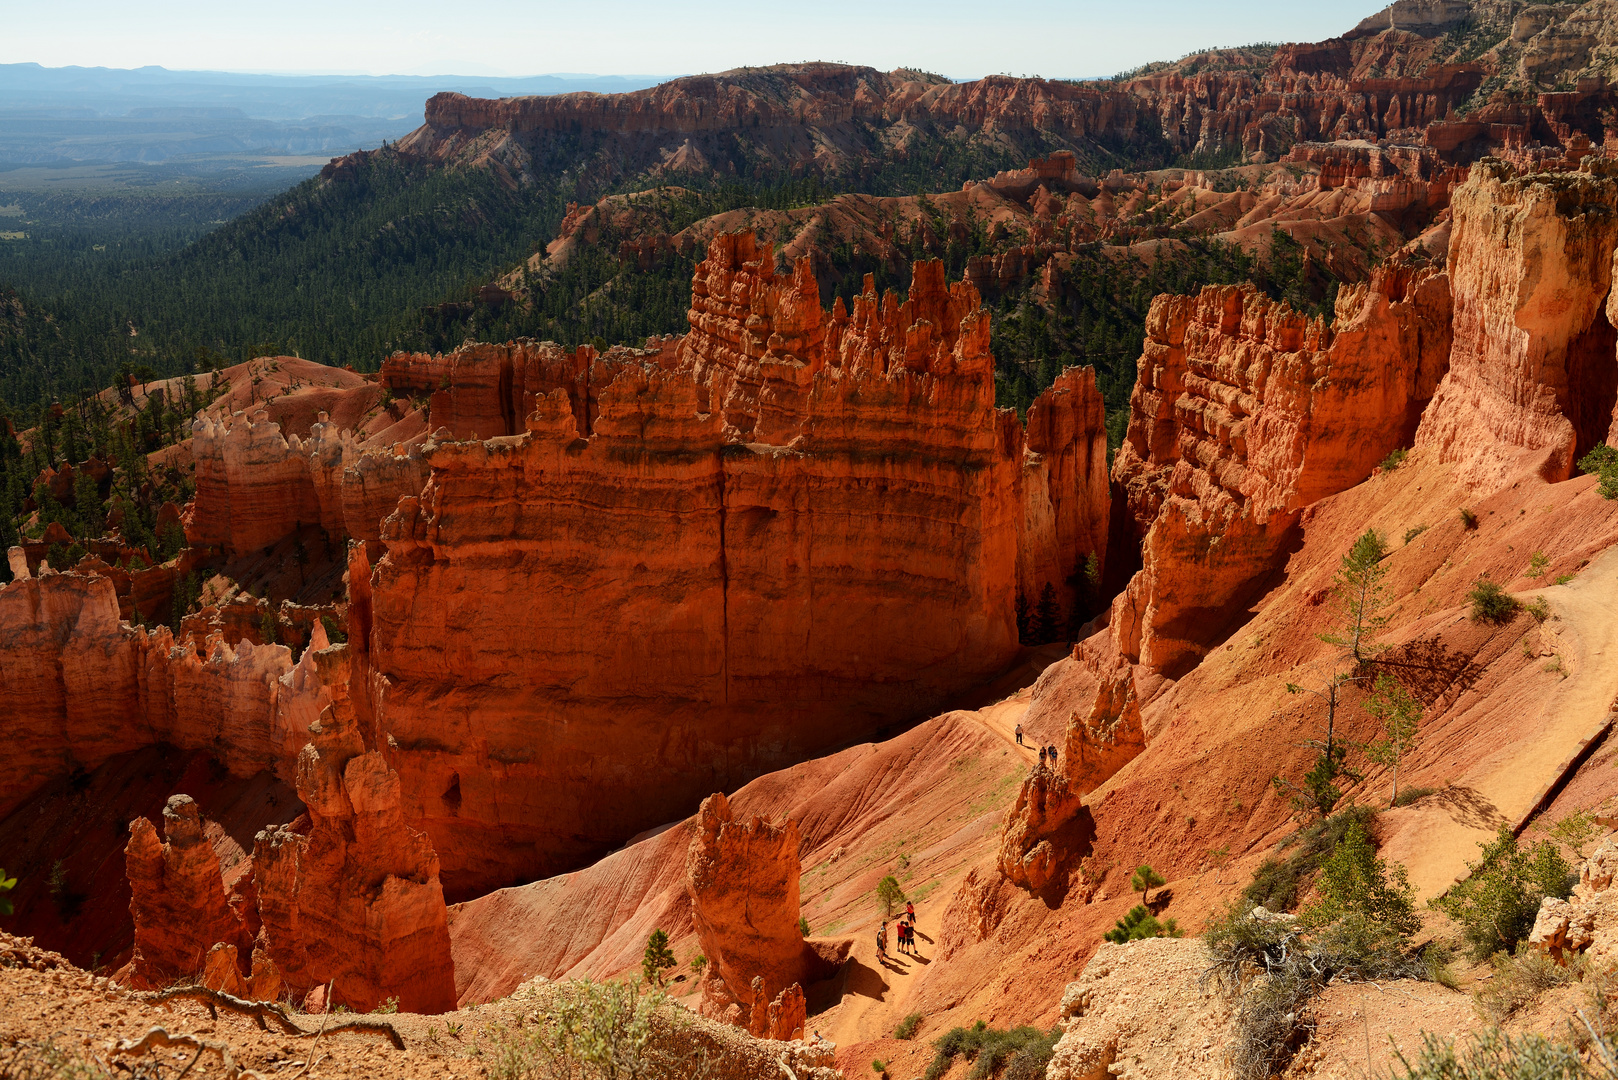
x=904, y=937
x=1019, y=735
x=882, y=942
x=1053, y=755
x=1042, y=756
x=910, y=909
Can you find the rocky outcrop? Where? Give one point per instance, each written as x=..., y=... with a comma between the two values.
x=1245, y=412
x=751, y=543
x=361, y=887
x=1532, y=377
x=743, y=882
x=1065, y=493
x=1584, y=922
x=1110, y=736
x=256, y=486
x=1193, y=1020
x=178, y=901
x=355, y=902
x=1039, y=831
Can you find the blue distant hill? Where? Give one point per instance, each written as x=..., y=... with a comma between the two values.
x=80, y=115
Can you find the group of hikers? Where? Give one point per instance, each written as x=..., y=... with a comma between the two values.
x=1047, y=754
x=904, y=932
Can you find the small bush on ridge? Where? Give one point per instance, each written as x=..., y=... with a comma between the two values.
x=1497, y=902
x=1491, y=603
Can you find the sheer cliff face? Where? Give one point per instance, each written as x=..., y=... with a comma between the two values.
x=609, y=584
x=808, y=525
x=1532, y=378
x=828, y=117
x=1244, y=413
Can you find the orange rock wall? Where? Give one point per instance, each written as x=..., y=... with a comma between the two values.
x=256, y=486
x=1532, y=376
x=706, y=560
x=1066, y=501
x=1245, y=412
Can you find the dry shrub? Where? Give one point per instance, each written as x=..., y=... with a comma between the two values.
x=1520, y=980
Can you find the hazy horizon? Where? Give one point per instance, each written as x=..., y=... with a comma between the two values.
x=630, y=37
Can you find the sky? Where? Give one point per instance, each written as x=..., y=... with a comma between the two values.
x=957, y=38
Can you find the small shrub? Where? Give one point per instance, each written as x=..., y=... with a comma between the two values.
x=1600, y=458
x=803, y=926
x=1272, y=1025
x=1498, y=1056
x=335, y=634
x=1576, y=831
x=1537, y=562
x=1469, y=520
x=1354, y=881
x=1562, y=579
x=1413, y=532
x=879, y=1067
x=595, y=1031
x=1498, y=901
x=1438, y=958
x=6, y=885
x=1519, y=981
x=908, y=1027
x=1602, y=461
x=1539, y=608
x=1414, y=795
x=1145, y=879
x=1019, y=1054
x=391, y=1005
x=1394, y=459
x=1140, y=924
x=1278, y=882
x=1491, y=603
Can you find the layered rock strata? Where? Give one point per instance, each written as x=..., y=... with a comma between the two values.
x=743, y=881
x=1243, y=413
x=256, y=485
x=1532, y=375
x=727, y=551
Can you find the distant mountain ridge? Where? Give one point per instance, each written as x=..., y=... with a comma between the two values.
x=54, y=116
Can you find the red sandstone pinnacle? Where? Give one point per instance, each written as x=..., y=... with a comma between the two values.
x=355, y=903
x=743, y=881
x=1035, y=837
x=178, y=900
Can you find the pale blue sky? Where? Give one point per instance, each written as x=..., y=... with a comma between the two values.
x=502, y=37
